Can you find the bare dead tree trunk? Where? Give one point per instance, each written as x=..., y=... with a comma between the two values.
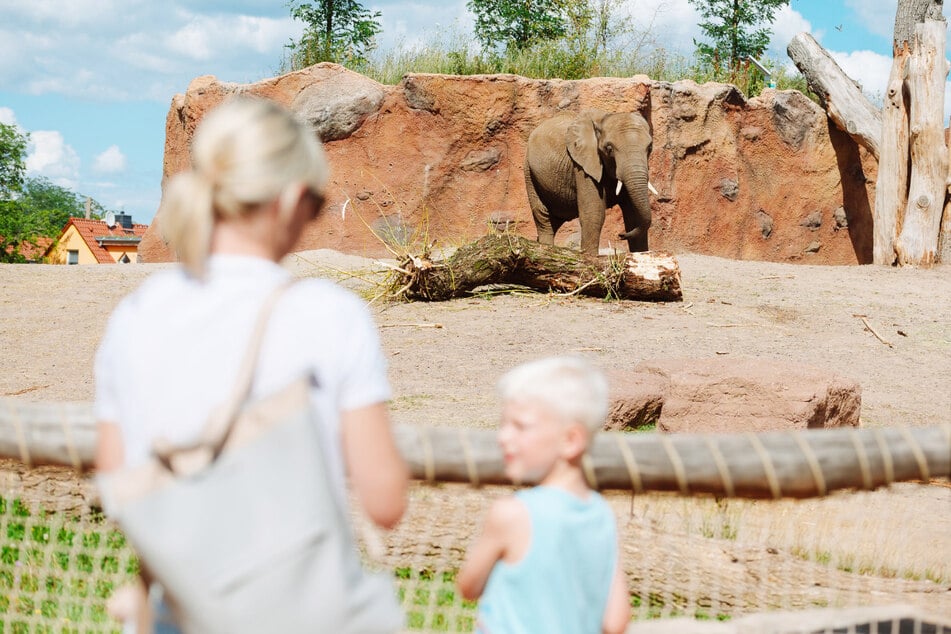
x=927, y=70
x=944, y=236
x=912, y=192
x=511, y=259
x=910, y=13
x=891, y=191
x=849, y=109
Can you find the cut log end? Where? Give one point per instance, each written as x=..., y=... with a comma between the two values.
x=652, y=275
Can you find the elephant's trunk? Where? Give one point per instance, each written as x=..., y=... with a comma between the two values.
x=636, y=209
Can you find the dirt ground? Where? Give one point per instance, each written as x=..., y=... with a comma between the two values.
x=446, y=357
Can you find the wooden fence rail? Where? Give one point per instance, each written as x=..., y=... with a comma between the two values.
x=797, y=464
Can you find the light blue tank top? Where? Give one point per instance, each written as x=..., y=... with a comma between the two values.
x=561, y=585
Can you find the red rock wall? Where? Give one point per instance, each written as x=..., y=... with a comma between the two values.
x=440, y=157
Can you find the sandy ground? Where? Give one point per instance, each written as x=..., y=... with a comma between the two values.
x=51, y=319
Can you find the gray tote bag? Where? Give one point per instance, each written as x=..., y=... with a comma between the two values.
x=243, y=529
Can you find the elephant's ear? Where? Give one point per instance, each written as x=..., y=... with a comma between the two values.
x=582, y=143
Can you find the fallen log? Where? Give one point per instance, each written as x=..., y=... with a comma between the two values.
x=511, y=259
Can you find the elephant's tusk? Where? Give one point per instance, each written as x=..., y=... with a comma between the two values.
x=651, y=188
x=619, y=186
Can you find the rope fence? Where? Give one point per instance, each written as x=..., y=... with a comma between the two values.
x=717, y=529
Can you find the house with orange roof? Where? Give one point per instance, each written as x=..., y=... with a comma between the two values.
x=33, y=251
x=86, y=241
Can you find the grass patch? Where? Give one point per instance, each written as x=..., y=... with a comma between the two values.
x=643, y=428
x=411, y=402
x=430, y=601
x=55, y=567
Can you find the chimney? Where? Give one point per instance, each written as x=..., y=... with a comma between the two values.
x=88, y=207
x=124, y=219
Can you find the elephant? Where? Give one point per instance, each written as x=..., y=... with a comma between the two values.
x=578, y=165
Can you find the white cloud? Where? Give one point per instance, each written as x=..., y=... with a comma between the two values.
x=75, y=13
x=788, y=24
x=672, y=23
x=878, y=16
x=48, y=155
x=110, y=161
x=7, y=117
x=869, y=69
x=417, y=24
x=104, y=49
x=205, y=37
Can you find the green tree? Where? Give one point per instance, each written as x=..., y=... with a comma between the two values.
x=13, y=227
x=596, y=37
x=51, y=205
x=40, y=209
x=339, y=31
x=518, y=24
x=31, y=207
x=737, y=29
x=12, y=160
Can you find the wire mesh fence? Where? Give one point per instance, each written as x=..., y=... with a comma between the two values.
x=701, y=557
x=60, y=560
x=712, y=528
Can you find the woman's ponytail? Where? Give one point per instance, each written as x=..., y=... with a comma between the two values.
x=187, y=217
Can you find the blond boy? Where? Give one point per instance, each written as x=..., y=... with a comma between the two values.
x=547, y=558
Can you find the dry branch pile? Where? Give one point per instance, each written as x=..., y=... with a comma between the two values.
x=510, y=259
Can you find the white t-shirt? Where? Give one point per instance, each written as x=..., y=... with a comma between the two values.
x=172, y=349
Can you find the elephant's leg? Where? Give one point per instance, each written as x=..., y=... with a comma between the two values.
x=590, y=213
x=543, y=221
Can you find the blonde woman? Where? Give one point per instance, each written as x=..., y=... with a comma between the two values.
x=172, y=348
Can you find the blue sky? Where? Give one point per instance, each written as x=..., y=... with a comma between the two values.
x=92, y=80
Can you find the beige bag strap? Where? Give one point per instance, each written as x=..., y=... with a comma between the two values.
x=221, y=422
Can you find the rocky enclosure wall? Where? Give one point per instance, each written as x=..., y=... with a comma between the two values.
x=439, y=158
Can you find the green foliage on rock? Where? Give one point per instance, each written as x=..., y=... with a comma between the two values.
x=547, y=39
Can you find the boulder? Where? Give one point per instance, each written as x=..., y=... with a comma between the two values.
x=336, y=109
x=444, y=153
x=725, y=395
x=636, y=400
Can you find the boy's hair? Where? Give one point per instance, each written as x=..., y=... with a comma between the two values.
x=570, y=386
